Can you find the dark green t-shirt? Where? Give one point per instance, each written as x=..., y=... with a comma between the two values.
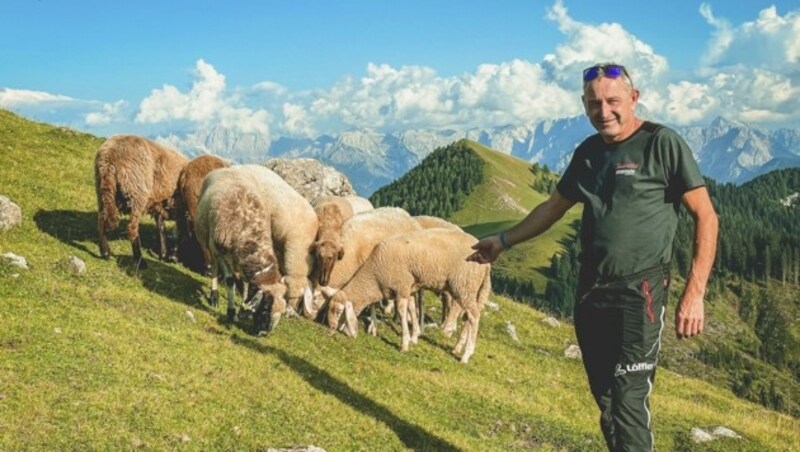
x=631, y=192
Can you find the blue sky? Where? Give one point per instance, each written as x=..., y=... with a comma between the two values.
x=303, y=68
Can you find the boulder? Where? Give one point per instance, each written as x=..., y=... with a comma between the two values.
x=16, y=260
x=551, y=321
x=311, y=178
x=572, y=352
x=76, y=265
x=10, y=214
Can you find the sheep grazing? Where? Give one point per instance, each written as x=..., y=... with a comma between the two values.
x=450, y=311
x=434, y=259
x=360, y=235
x=248, y=214
x=187, y=195
x=332, y=212
x=135, y=175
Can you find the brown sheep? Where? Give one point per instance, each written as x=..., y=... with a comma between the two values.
x=187, y=196
x=136, y=176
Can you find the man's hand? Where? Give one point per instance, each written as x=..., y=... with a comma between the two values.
x=689, y=316
x=486, y=250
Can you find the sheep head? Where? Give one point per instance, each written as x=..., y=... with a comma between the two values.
x=326, y=253
x=348, y=323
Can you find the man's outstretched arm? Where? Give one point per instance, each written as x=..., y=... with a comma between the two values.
x=536, y=222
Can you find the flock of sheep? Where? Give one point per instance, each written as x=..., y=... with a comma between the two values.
x=326, y=259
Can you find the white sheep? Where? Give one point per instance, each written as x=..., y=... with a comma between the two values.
x=434, y=259
x=249, y=212
x=450, y=310
x=332, y=212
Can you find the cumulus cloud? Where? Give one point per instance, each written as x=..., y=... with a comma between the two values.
x=771, y=41
x=110, y=112
x=587, y=44
x=207, y=103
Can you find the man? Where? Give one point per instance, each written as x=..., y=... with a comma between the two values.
x=631, y=177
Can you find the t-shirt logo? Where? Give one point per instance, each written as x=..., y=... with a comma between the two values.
x=626, y=168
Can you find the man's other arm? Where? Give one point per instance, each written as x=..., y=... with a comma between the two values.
x=689, y=314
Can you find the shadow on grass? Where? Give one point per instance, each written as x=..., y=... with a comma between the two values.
x=71, y=227
x=412, y=436
x=76, y=228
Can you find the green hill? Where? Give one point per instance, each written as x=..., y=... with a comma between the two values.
x=112, y=359
x=502, y=196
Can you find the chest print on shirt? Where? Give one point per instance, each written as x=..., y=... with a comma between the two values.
x=626, y=168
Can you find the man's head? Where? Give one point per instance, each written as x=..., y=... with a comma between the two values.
x=609, y=99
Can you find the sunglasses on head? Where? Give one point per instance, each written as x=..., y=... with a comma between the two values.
x=609, y=70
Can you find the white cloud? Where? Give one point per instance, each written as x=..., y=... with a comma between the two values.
x=771, y=41
x=607, y=42
x=111, y=112
x=205, y=104
x=10, y=98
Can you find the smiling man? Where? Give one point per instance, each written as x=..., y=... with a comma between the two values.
x=632, y=177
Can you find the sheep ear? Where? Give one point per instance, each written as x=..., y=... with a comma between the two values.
x=350, y=320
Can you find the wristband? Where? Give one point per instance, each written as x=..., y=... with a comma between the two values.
x=503, y=242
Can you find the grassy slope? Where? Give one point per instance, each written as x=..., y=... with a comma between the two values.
x=110, y=359
x=500, y=201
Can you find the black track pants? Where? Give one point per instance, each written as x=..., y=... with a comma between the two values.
x=619, y=324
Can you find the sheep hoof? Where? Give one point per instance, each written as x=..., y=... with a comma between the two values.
x=231, y=317
x=213, y=300
x=105, y=255
x=372, y=329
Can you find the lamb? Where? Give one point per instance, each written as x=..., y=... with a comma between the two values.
x=135, y=175
x=332, y=212
x=360, y=235
x=187, y=195
x=247, y=213
x=434, y=259
x=450, y=311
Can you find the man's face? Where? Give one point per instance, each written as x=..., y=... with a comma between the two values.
x=610, y=104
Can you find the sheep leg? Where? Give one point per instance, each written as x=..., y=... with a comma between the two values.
x=229, y=283
x=415, y=323
x=213, y=272
x=421, y=310
x=402, y=308
x=450, y=313
x=372, y=328
x=473, y=320
x=462, y=339
x=105, y=252
x=162, y=237
x=136, y=245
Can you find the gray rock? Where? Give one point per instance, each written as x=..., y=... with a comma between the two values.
x=572, y=352
x=76, y=265
x=725, y=433
x=190, y=316
x=311, y=178
x=512, y=330
x=492, y=305
x=699, y=435
x=551, y=321
x=296, y=449
x=10, y=214
x=16, y=260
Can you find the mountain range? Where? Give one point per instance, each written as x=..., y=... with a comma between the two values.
x=727, y=151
